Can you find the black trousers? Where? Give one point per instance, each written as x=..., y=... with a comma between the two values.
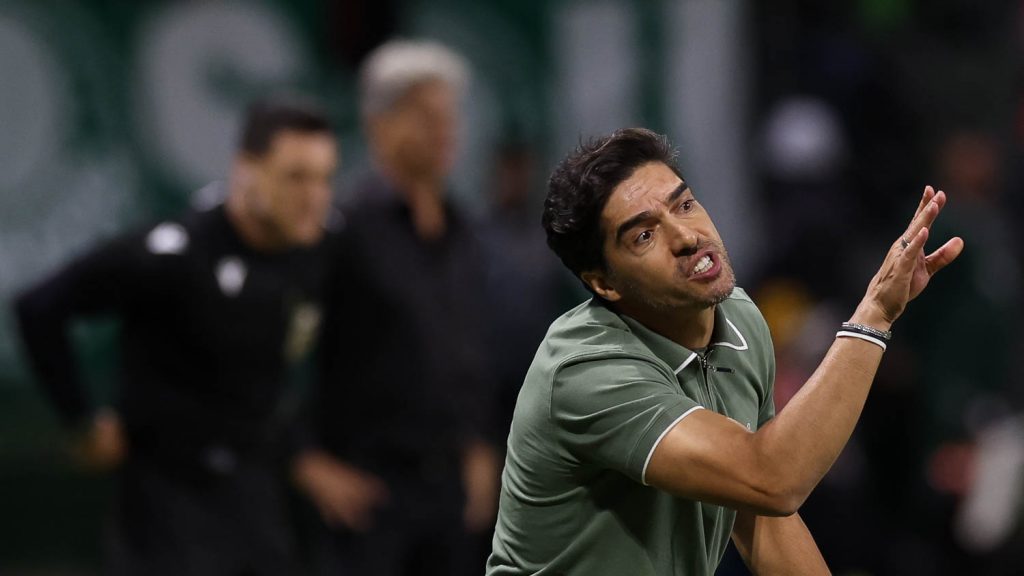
x=419, y=532
x=171, y=519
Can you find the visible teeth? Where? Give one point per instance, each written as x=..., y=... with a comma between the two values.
x=703, y=265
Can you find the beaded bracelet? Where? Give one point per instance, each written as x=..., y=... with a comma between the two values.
x=866, y=333
x=885, y=335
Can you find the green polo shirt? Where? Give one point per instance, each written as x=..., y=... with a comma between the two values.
x=602, y=391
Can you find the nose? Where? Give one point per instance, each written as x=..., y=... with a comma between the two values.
x=683, y=240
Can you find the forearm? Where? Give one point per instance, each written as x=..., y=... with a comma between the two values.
x=777, y=545
x=96, y=283
x=772, y=471
x=801, y=443
x=47, y=345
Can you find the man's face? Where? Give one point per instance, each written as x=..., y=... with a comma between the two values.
x=662, y=251
x=420, y=131
x=290, y=185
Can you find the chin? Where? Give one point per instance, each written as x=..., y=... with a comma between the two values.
x=728, y=284
x=714, y=295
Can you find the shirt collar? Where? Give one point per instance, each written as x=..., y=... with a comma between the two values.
x=725, y=334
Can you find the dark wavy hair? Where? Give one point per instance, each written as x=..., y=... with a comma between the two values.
x=581, y=184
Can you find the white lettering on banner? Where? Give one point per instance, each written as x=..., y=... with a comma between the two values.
x=31, y=117
x=199, y=63
x=56, y=193
x=597, y=85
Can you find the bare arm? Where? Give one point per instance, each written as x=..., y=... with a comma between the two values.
x=771, y=546
x=709, y=457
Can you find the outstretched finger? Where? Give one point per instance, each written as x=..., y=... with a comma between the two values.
x=926, y=197
x=927, y=215
x=941, y=258
x=909, y=255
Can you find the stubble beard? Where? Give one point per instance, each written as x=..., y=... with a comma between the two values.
x=688, y=299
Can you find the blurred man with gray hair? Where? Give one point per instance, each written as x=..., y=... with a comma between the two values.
x=401, y=469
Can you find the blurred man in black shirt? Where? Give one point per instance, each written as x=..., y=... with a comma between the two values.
x=403, y=468
x=214, y=308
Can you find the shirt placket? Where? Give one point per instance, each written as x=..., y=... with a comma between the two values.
x=705, y=370
x=696, y=371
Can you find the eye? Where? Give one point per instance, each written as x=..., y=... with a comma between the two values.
x=644, y=237
x=686, y=205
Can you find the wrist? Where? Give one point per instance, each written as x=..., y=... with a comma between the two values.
x=868, y=314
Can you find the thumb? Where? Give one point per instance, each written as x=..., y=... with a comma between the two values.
x=944, y=255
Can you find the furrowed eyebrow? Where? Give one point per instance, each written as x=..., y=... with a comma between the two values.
x=631, y=223
x=645, y=215
x=682, y=188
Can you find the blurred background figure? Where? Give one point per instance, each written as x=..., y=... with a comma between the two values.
x=215, y=307
x=527, y=287
x=806, y=192
x=969, y=391
x=404, y=471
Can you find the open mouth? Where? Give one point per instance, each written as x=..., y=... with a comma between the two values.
x=703, y=265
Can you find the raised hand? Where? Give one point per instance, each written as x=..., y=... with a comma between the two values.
x=906, y=270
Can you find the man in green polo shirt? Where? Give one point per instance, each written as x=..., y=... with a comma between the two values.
x=645, y=434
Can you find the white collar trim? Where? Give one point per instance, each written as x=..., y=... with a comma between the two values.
x=741, y=346
x=686, y=363
x=743, y=341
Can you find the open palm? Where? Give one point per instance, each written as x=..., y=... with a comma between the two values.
x=906, y=270
x=926, y=266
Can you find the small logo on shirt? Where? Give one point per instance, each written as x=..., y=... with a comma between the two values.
x=302, y=330
x=167, y=238
x=231, y=273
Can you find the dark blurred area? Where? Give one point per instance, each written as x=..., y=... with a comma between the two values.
x=861, y=103
x=809, y=128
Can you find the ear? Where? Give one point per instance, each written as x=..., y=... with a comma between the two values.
x=601, y=285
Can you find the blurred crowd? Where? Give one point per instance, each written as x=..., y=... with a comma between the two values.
x=420, y=321
x=411, y=322
x=861, y=104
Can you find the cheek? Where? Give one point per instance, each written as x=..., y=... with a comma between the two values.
x=311, y=212
x=263, y=196
x=406, y=132
x=712, y=232
x=428, y=139
x=280, y=208
x=423, y=143
x=643, y=270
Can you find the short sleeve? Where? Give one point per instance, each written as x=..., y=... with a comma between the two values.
x=613, y=412
x=767, y=409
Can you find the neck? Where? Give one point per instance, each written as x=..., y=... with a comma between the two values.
x=691, y=328
x=247, y=225
x=425, y=198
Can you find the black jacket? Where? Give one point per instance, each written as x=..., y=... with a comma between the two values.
x=209, y=328
x=406, y=380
